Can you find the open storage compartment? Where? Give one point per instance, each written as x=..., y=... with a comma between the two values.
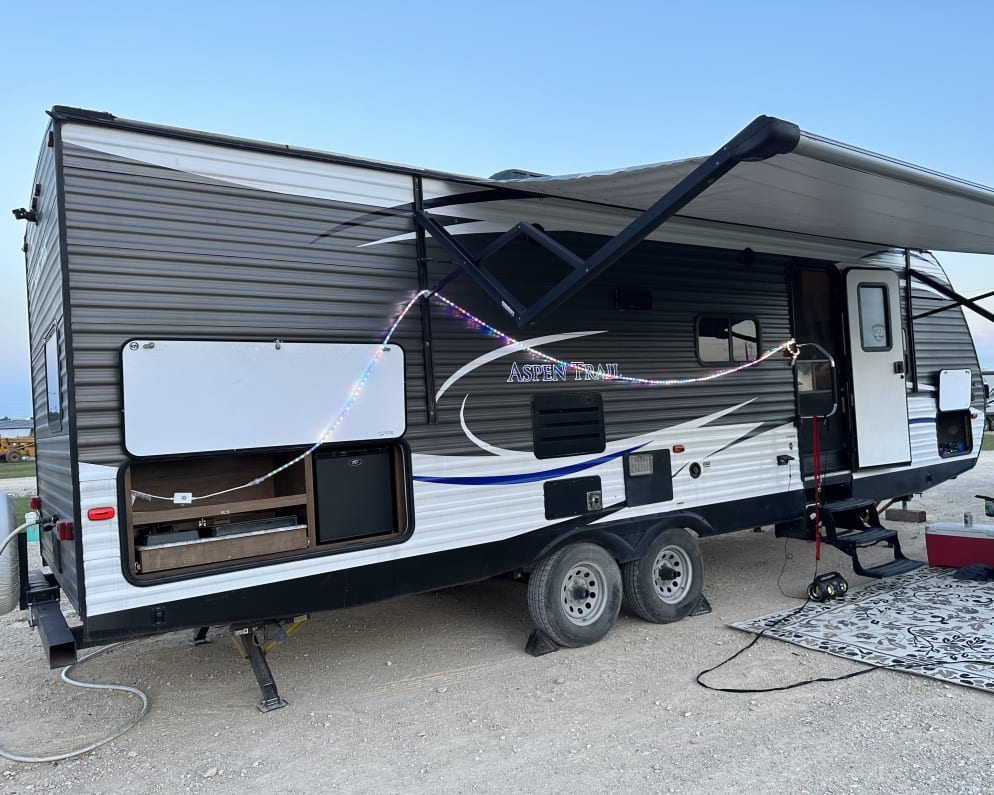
x=954, y=433
x=363, y=496
x=265, y=519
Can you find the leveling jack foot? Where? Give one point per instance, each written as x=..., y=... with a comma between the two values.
x=200, y=637
x=251, y=640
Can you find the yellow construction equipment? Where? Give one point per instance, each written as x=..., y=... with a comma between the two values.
x=15, y=448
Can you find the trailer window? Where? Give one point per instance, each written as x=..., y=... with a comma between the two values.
x=727, y=339
x=53, y=385
x=874, y=319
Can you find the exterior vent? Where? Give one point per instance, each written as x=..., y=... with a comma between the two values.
x=570, y=424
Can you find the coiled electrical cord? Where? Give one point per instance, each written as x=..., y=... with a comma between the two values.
x=56, y=757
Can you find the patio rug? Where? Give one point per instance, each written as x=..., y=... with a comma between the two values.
x=923, y=622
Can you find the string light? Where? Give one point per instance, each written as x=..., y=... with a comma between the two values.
x=790, y=346
x=328, y=434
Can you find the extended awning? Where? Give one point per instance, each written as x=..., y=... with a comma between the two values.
x=771, y=176
x=820, y=187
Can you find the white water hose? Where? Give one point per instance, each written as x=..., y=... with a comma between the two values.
x=9, y=598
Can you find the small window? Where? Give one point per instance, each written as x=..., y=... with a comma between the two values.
x=727, y=339
x=53, y=385
x=815, y=384
x=874, y=317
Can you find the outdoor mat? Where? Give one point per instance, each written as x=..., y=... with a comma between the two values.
x=923, y=622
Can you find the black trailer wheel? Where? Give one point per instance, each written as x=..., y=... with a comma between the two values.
x=574, y=595
x=13, y=456
x=665, y=584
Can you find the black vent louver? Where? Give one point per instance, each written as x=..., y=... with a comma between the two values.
x=570, y=424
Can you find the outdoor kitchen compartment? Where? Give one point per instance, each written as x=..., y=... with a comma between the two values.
x=356, y=494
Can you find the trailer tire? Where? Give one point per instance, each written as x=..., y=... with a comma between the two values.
x=665, y=584
x=13, y=456
x=10, y=572
x=575, y=594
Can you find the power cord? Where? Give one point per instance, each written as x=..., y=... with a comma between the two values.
x=807, y=599
x=787, y=557
x=15, y=757
x=791, y=686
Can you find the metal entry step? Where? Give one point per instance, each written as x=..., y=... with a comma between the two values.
x=847, y=504
x=852, y=524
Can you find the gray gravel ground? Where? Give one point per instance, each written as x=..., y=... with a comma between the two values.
x=18, y=487
x=435, y=693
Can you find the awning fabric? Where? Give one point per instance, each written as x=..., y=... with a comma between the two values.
x=821, y=187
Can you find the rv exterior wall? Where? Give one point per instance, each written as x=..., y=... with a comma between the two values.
x=47, y=316
x=162, y=253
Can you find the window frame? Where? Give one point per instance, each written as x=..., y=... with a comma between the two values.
x=53, y=342
x=731, y=319
x=888, y=321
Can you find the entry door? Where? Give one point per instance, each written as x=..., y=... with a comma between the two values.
x=816, y=297
x=880, y=398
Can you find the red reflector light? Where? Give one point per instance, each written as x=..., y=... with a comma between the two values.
x=678, y=448
x=36, y=503
x=95, y=514
x=64, y=530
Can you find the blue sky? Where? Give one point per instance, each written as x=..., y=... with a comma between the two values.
x=555, y=87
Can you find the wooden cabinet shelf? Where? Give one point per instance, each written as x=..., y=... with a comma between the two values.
x=220, y=550
x=305, y=508
x=182, y=513
x=288, y=495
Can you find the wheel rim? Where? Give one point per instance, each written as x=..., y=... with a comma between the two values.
x=672, y=575
x=583, y=594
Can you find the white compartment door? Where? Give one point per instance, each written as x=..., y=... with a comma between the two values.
x=880, y=398
x=195, y=396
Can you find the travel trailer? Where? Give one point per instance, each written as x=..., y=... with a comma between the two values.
x=270, y=381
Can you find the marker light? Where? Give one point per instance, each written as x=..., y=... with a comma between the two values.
x=96, y=514
x=63, y=530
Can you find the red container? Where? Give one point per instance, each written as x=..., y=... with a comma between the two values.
x=955, y=545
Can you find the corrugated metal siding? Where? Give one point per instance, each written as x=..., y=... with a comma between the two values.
x=943, y=340
x=685, y=282
x=45, y=308
x=164, y=254
x=160, y=253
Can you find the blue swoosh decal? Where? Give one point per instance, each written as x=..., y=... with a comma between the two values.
x=529, y=477
x=922, y=421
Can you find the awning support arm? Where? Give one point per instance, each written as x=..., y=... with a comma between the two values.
x=908, y=312
x=763, y=138
x=951, y=305
x=949, y=292
x=490, y=286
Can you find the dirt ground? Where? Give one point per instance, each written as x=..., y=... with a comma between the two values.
x=435, y=693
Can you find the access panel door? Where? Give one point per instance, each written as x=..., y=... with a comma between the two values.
x=880, y=399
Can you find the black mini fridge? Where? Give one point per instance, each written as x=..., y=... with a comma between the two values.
x=354, y=494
